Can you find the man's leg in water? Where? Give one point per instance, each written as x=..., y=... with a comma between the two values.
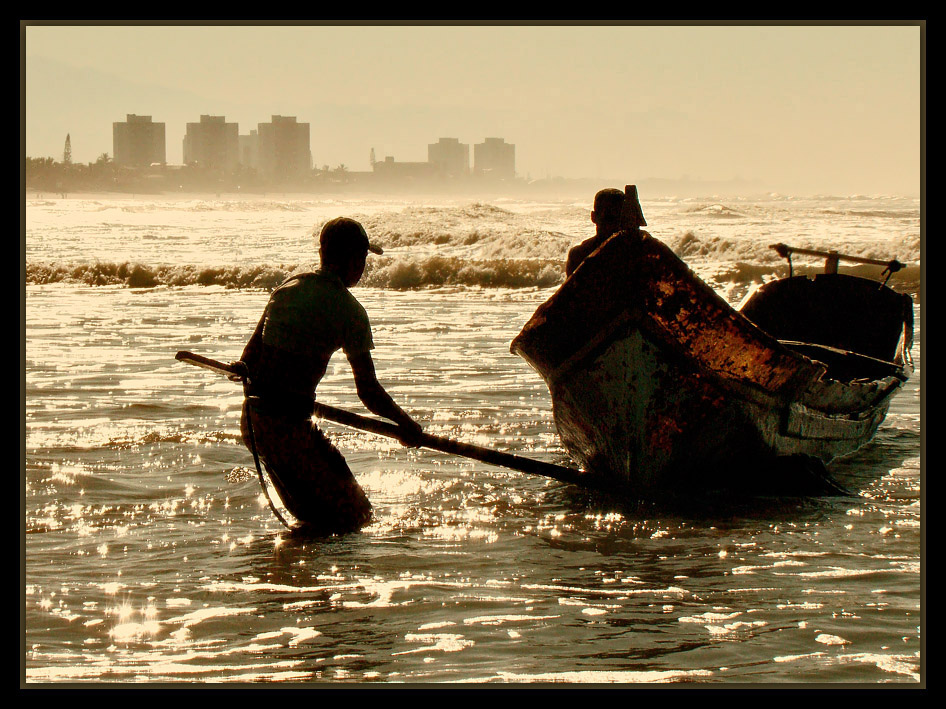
x=311, y=475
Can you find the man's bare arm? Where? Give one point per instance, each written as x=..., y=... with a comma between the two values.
x=376, y=399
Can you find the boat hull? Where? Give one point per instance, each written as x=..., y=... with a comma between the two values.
x=656, y=381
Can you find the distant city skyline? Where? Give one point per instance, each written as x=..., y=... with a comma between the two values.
x=485, y=141
x=797, y=108
x=281, y=148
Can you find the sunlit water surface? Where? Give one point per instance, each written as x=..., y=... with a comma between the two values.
x=151, y=555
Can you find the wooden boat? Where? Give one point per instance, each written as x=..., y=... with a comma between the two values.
x=656, y=381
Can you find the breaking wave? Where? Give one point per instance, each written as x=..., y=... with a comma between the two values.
x=715, y=211
x=135, y=275
x=483, y=245
x=392, y=273
x=401, y=274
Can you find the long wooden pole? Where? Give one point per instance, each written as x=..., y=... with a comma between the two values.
x=425, y=440
x=449, y=445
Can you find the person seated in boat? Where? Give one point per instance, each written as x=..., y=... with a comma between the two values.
x=308, y=318
x=608, y=217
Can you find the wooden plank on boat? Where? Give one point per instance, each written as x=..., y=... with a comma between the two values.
x=803, y=422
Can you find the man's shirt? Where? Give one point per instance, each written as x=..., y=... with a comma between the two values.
x=308, y=319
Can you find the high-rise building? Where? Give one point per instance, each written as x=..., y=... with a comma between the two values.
x=450, y=157
x=283, y=148
x=212, y=143
x=494, y=158
x=138, y=142
x=249, y=150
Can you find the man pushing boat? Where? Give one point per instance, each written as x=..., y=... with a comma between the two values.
x=308, y=318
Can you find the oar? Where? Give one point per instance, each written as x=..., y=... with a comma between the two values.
x=785, y=251
x=425, y=440
x=832, y=258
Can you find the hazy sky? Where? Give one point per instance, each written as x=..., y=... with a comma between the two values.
x=799, y=108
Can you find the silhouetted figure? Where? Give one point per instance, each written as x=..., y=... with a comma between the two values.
x=308, y=318
x=613, y=211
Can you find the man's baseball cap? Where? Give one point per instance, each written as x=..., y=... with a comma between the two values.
x=343, y=233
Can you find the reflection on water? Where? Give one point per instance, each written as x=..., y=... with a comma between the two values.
x=152, y=555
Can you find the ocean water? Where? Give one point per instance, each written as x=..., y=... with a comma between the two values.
x=150, y=555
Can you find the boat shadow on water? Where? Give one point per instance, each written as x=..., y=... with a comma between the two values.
x=780, y=489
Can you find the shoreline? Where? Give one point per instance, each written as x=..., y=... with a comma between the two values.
x=585, y=195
